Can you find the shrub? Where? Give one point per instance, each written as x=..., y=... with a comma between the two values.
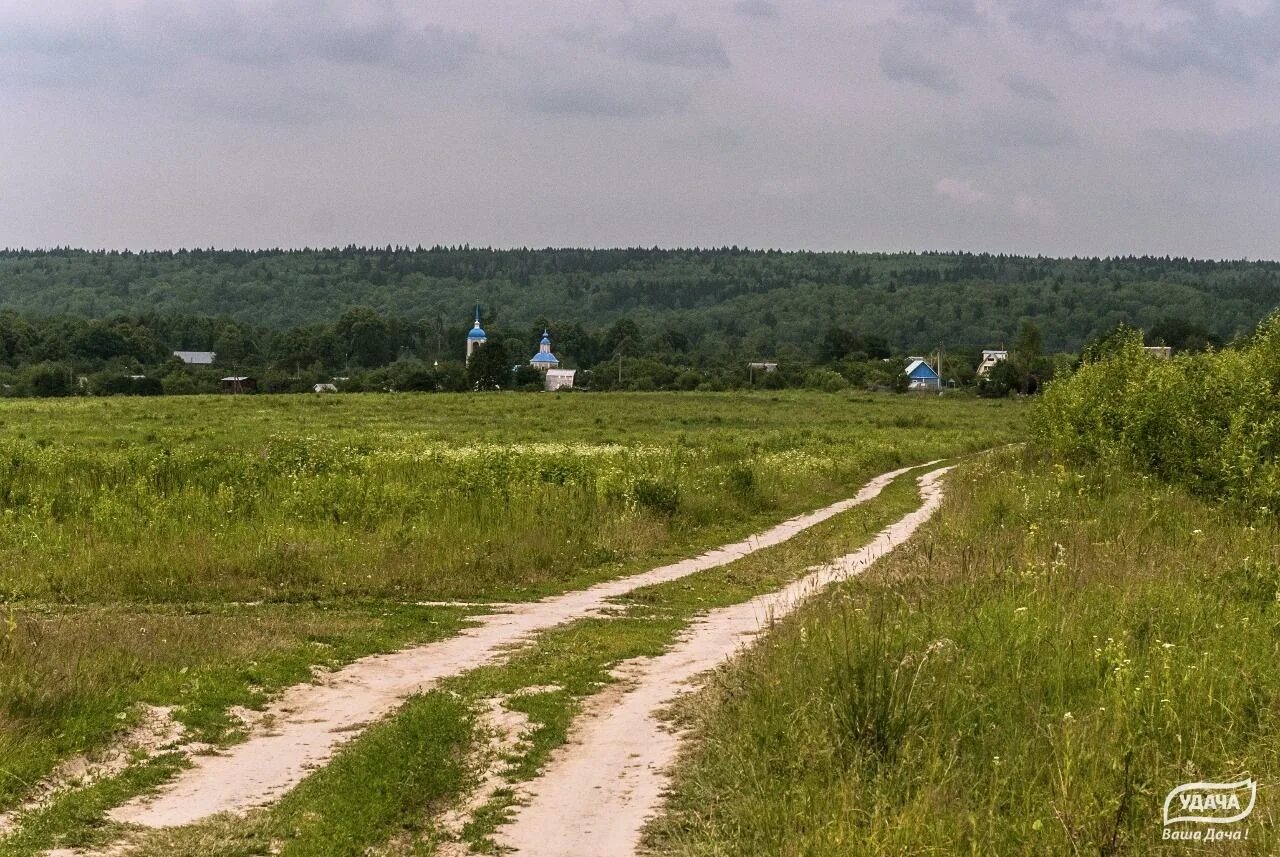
x=657, y=496
x=827, y=380
x=47, y=379
x=1209, y=421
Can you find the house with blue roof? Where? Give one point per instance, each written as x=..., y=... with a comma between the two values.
x=921, y=376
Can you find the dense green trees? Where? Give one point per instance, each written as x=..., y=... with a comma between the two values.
x=389, y=318
x=490, y=367
x=1182, y=335
x=718, y=302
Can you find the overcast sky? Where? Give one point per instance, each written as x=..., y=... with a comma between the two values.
x=1043, y=126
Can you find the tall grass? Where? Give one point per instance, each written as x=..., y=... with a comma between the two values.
x=69, y=680
x=398, y=518
x=139, y=536
x=319, y=511
x=1031, y=675
x=1208, y=421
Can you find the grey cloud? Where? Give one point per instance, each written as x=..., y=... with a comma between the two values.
x=153, y=41
x=665, y=41
x=962, y=12
x=596, y=98
x=1047, y=16
x=1025, y=87
x=389, y=116
x=1001, y=136
x=287, y=106
x=1246, y=153
x=756, y=8
x=1206, y=36
x=1034, y=130
x=263, y=64
x=906, y=66
x=649, y=67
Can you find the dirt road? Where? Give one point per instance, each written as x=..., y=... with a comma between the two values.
x=601, y=787
x=309, y=722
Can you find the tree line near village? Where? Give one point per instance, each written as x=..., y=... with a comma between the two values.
x=396, y=318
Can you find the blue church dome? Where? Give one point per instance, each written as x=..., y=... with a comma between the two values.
x=477, y=332
x=544, y=359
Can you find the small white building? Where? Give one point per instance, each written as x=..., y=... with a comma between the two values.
x=558, y=379
x=325, y=388
x=1162, y=351
x=989, y=360
x=196, y=358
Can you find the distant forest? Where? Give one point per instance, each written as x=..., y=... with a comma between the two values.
x=677, y=317
x=747, y=301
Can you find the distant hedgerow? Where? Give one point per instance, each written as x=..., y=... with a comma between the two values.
x=1210, y=421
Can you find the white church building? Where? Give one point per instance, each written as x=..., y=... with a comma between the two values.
x=475, y=337
x=553, y=377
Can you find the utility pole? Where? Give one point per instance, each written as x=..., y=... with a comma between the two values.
x=618, y=353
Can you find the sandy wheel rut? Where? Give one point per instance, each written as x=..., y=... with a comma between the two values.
x=603, y=785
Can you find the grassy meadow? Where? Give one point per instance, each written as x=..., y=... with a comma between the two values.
x=204, y=552
x=1089, y=621
x=1031, y=674
x=289, y=499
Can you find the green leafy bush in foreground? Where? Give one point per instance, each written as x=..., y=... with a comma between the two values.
x=1209, y=421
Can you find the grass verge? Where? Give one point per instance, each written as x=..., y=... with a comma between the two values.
x=1031, y=674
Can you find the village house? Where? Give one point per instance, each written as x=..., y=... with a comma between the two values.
x=921, y=376
x=196, y=358
x=990, y=357
x=558, y=379
x=238, y=384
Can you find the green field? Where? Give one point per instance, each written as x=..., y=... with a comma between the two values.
x=1079, y=629
x=414, y=497
x=202, y=553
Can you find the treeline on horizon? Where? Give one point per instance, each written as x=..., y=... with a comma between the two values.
x=363, y=350
x=726, y=302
